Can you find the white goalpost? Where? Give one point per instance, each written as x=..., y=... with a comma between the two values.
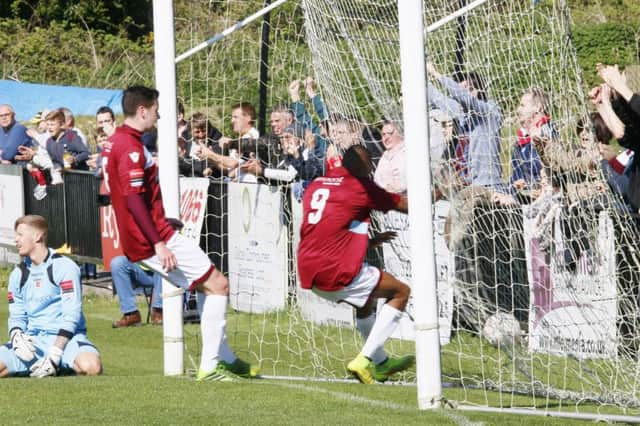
x=165, y=72
x=423, y=264
x=522, y=301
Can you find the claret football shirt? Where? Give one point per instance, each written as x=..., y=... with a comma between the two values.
x=334, y=232
x=130, y=169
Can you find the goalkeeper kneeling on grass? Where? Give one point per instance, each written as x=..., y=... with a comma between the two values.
x=47, y=328
x=333, y=244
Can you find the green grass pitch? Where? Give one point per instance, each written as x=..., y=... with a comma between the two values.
x=133, y=390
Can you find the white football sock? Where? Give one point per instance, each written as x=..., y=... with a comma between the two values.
x=386, y=323
x=212, y=325
x=226, y=353
x=364, y=326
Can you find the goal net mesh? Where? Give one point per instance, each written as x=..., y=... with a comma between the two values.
x=541, y=288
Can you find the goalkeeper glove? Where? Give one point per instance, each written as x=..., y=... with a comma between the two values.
x=47, y=366
x=22, y=345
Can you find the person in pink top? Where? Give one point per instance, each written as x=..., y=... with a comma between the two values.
x=391, y=173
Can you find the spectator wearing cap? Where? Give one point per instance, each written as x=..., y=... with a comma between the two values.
x=391, y=173
x=37, y=157
x=37, y=128
x=12, y=136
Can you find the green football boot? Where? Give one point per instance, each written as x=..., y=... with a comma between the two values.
x=218, y=374
x=391, y=366
x=240, y=368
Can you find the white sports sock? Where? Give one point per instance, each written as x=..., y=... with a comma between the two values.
x=364, y=326
x=226, y=353
x=386, y=323
x=212, y=325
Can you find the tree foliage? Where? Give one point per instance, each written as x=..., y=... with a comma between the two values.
x=607, y=43
x=132, y=18
x=71, y=55
x=109, y=44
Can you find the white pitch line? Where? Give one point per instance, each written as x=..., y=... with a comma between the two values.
x=456, y=418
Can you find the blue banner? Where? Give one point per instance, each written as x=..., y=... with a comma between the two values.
x=27, y=99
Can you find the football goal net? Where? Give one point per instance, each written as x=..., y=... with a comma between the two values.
x=537, y=280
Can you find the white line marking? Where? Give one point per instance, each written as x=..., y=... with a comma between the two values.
x=456, y=418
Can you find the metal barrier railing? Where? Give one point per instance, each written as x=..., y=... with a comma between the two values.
x=71, y=210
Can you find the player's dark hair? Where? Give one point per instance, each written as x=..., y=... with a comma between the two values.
x=136, y=96
x=357, y=161
x=106, y=110
x=35, y=221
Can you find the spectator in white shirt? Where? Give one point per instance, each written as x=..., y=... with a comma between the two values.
x=391, y=173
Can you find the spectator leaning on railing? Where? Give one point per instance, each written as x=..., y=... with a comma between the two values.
x=64, y=146
x=12, y=136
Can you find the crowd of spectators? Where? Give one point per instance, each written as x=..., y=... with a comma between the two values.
x=466, y=134
x=466, y=128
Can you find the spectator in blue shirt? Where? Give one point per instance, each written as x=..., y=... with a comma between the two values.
x=65, y=146
x=535, y=122
x=481, y=121
x=12, y=136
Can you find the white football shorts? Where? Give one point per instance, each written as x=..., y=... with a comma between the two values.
x=194, y=266
x=358, y=291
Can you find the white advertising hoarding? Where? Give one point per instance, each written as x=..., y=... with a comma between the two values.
x=11, y=202
x=258, y=274
x=572, y=287
x=193, y=205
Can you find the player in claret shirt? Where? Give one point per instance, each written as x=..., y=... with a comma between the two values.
x=333, y=243
x=46, y=324
x=147, y=236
